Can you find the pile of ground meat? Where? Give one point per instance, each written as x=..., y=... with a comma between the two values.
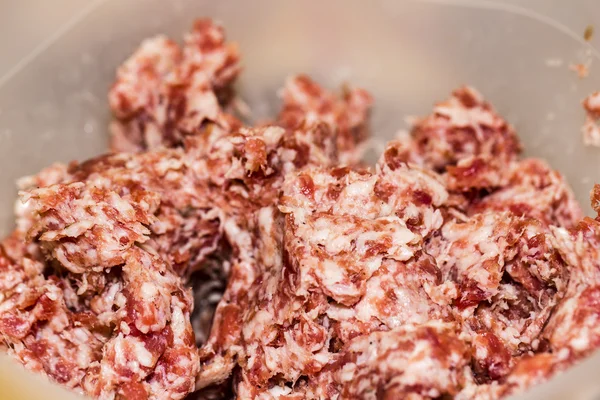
x=207, y=259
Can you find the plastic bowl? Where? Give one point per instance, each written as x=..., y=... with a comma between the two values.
x=409, y=54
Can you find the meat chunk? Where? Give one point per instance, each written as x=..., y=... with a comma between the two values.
x=105, y=340
x=509, y=279
x=123, y=199
x=164, y=93
x=305, y=102
x=573, y=328
x=252, y=232
x=476, y=151
x=533, y=189
x=461, y=127
x=122, y=230
x=41, y=318
x=424, y=361
x=344, y=240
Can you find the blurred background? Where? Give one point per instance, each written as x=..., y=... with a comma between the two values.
x=27, y=24
x=57, y=60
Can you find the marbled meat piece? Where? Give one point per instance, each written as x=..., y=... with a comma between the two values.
x=130, y=334
x=305, y=102
x=347, y=235
x=509, y=279
x=483, y=257
x=164, y=93
x=415, y=361
x=535, y=190
x=251, y=238
x=460, y=128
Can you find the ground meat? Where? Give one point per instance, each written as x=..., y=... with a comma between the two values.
x=125, y=199
x=252, y=238
x=126, y=228
x=218, y=261
x=104, y=343
x=164, y=93
x=573, y=330
x=180, y=205
x=461, y=127
x=305, y=102
x=487, y=262
x=339, y=269
x=423, y=361
x=553, y=202
x=509, y=279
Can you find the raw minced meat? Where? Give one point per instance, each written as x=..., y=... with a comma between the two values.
x=208, y=259
x=305, y=102
x=164, y=93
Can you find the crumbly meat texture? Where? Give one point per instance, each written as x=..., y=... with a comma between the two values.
x=129, y=337
x=134, y=311
x=417, y=240
x=164, y=93
x=126, y=231
x=463, y=128
x=535, y=190
x=451, y=269
x=305, y=102
x=294, y=150
x=414, y=361
x=509, y=279
x=367, y=252
x=342, y=238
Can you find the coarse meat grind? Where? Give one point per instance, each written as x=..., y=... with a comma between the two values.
x=208, y=259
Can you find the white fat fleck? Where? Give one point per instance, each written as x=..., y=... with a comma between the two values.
x=563, y=354
x=332, y=273
x=179, y=323
x=52, y=294
x=366, y=308
x=337, y=244
x=348, y=371
x=582, y=340
x=360, y=188
x=273, y=134
x=119, y=350
x=277, y=391
x=254, y=327
x=322, y=358
x=142, y=354
x=373, y=264
x=124, y=328
x=339, y=312
x=481, y=352
x=148, y=291
x=265, y=218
